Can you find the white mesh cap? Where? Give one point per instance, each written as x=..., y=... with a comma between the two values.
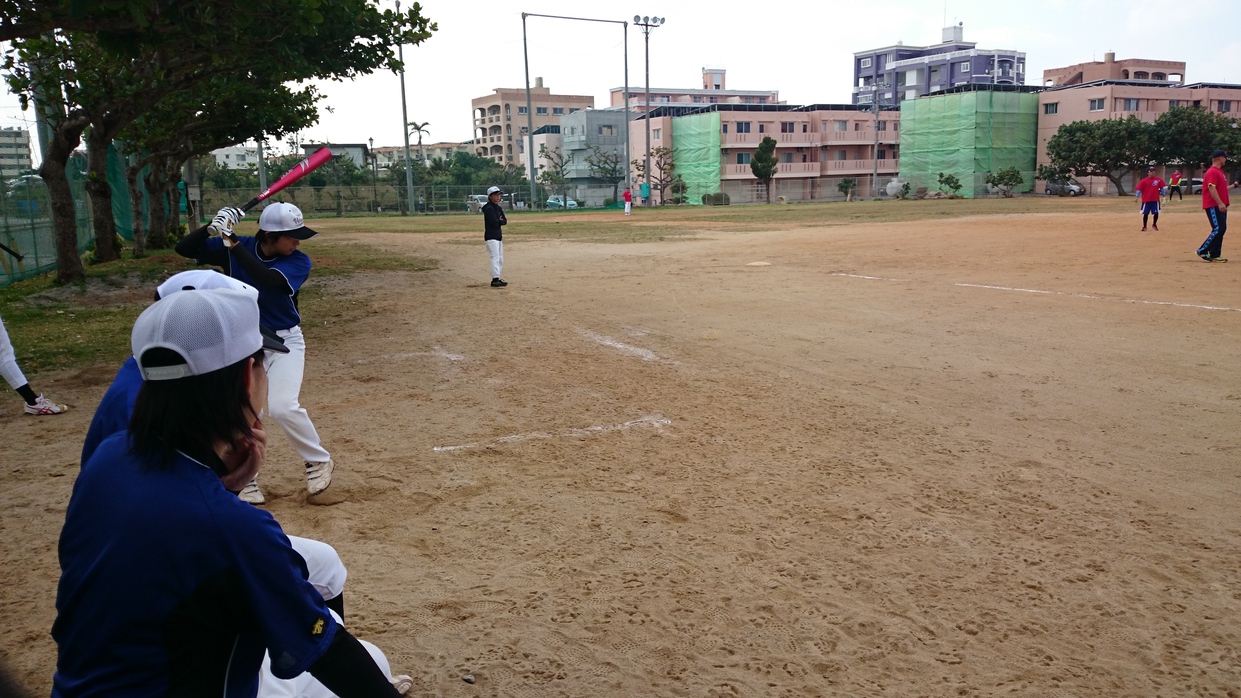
x=285, y=219
x=201, y=280
x=209, y=329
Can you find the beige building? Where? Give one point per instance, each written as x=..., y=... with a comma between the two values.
x=1119, y=99
x=500, y=118
x=387, y=156
x=714, y=91
x=1111, y=69
x=14, y=151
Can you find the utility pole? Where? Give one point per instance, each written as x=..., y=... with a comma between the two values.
x=874, y=155
x=647, y=24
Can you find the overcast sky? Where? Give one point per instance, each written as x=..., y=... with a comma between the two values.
x=803, y=49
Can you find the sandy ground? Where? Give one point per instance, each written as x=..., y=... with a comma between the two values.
x=984, y=456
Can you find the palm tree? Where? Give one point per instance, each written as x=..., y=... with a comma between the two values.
x=419, y=128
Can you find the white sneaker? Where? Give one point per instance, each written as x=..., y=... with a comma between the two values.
x=402, y=683
x=318, y=476
x=252, y=494
x=43, y=406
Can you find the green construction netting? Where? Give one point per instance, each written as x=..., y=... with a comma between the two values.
x=968, y=135
x=26, y=222
x=697, y=154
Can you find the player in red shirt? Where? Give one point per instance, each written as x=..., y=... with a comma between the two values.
x=1215, y=203
x=1150, y=190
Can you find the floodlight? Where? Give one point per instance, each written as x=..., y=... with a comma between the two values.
x=646, y=20
x=637, y=19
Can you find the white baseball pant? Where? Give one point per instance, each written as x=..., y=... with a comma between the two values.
x=326, y=571
x=628, y=205
x=496, y=249
x=284, y=385
x=8, y=361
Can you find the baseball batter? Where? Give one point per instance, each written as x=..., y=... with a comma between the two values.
x=271, y=262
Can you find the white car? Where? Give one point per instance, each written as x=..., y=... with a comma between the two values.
x=557, y=202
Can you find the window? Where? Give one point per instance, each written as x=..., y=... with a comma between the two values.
x=714, y=99
x=655, y=133
x=881, y=126
x=540, y=111
x=521, y=110
x=935, y=73
x=762, y=100
x=573, y=109
x=1174, y=103
x=1096, y=105
x=743, y=158
x=557, y=111
x=606, y=130
x=762, y=128
x=823, y=127
x=805, y=128
x=788, y=127
x=724, y=126
x=842, y=154
x=242, y=158
x=857, y=125
x=1129, y=104
x=1051, y=108
x=865, y=63
x=1224, y=105
x=743, y=127
x=883, y=154
x=786, y=157
x=965, y=67
x=698, y=99
x=841, y=125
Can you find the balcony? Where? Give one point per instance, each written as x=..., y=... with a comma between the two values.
x=841, y=168
x=785, y=170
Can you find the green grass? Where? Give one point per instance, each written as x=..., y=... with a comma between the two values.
x=88, y=323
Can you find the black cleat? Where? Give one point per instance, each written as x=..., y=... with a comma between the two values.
x=498, y=283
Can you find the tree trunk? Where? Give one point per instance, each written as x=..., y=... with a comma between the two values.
x=100, y=195
x=135, y=205
x=174, y=201
x=157, y=239
x=1120, y=186
x=64, y=213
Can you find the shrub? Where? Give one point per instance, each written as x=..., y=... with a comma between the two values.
x=720, y=199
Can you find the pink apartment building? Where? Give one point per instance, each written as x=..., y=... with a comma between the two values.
x=817, y=145
x=1119, y=99
x=500, y=118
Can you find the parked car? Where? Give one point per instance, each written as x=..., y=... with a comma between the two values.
x=557, y=202
x=1195, y=185
x=1061, y=187
x=474, y=202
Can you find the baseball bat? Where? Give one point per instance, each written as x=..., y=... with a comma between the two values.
x=299, y=170
x=6, y=248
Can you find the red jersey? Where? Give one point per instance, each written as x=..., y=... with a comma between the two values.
x=1151, y=187
x=1214, y=176
x=628, y=197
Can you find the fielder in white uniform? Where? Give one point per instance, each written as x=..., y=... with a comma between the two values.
x=36, y=404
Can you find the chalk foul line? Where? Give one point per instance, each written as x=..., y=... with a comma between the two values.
x=653, y=420
x=1088, y=296
x=644, y=354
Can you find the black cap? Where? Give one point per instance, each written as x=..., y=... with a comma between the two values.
x=1218, y=153
x=1151, y=168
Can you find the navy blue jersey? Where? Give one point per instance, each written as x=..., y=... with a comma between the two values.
x=171, y=585
x=277, y=310
x=114, y=410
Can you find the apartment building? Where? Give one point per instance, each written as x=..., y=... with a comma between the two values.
x=816, y=146
x=359, y=153
x=500, y=118
x=714, y=91
x=387, y=156
x=1119, y=99
x=237, y=157
x=14, y=152
x=1111, y=69
x=912, y=71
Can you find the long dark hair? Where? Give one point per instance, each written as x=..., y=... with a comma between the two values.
x=190, y=414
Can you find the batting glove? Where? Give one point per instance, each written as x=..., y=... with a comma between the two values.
x=224, y=221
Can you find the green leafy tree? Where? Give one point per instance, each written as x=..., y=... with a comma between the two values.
x=846, y=186
x=1185, y=136
x=83, y=79
x=764, y=165
x=949, y=184
x=1108, y=148
x=1005, y=180
x=678, y=189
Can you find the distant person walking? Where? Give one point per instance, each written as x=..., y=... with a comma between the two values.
x=1215, y=203
x=493, y=220
x=1150, y=192
x=36, y=404
x=1174, y=185
x=628, y=196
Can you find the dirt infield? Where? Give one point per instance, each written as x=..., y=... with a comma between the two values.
x=966, y=456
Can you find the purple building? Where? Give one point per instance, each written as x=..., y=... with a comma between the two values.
x=912, y=71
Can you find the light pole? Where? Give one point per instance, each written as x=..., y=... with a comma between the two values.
x=874, y=155
x=409, y=170
x=530, y=109
x=647, y=24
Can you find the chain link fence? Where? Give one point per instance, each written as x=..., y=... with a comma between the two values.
x=383, y=198
x=26, y=223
